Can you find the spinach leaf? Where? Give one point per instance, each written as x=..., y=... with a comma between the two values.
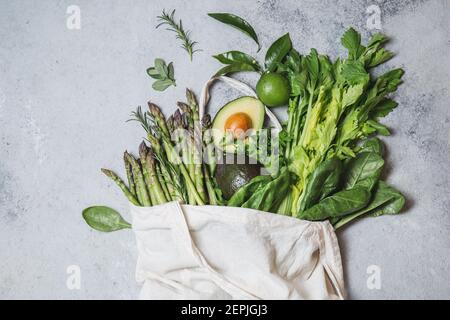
x=338, y=204
x=386, y=200
x=245, y=192
x=238, y=23
x=104, y=219
x=277, y=51
x=323, y=181
x=270, y=195
x=363, y=170
x=373, y=145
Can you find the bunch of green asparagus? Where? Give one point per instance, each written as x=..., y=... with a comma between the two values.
x=176, y=163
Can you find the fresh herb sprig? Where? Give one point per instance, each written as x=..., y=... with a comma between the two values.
x=184, y=35
x=164, y=75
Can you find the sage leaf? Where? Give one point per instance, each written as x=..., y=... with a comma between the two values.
x=277, y=51
x=238, y=23
x=104, y=219
x=163, y=74
x=161, y=85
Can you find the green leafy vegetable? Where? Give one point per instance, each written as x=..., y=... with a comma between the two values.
x=163, y=74
x=238, y=23
x=168, y=19
x=104, y=219
x=277, y=51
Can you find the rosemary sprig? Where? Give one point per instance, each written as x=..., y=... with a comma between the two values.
x=169, y=20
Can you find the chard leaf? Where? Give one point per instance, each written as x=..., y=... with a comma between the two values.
x=238, y=23
x=104, y=219
x=277, y=51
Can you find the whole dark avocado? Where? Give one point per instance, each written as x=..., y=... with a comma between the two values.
x=230, y=177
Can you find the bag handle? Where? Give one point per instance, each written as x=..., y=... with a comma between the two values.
x=238, y=85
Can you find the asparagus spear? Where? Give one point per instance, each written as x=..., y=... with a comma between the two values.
x=121, y=185
x=208, y=144
x=198, y=142
x=141, y=189
x=148, y=167
x=170, y=151
x=184, y=143
x=209, y=186
x=131, y=184
x=169, y=176
x=162, y=181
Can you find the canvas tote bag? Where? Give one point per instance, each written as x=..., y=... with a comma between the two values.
x=217, y=252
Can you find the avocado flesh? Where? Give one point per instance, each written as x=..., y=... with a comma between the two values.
x=248, y=105
x=231, y=177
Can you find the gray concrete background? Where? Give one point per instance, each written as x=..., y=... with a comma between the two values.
x=65, y=96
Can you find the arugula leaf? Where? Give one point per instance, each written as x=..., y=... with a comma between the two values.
x=277, y=51
x=163, y=74
x=238, y=23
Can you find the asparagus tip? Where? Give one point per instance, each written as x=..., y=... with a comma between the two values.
x=143, y=150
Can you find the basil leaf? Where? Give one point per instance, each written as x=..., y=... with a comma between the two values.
x=238, y=23
x=277, y=51
x=104, y=219
x=232, y=57
x=235, y=67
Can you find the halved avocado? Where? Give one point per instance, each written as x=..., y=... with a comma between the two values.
x=243, y=113
x=232, y=176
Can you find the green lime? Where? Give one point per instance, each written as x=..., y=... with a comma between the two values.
x=273, y=89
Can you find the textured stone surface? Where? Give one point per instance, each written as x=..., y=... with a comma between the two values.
x=65, y=96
